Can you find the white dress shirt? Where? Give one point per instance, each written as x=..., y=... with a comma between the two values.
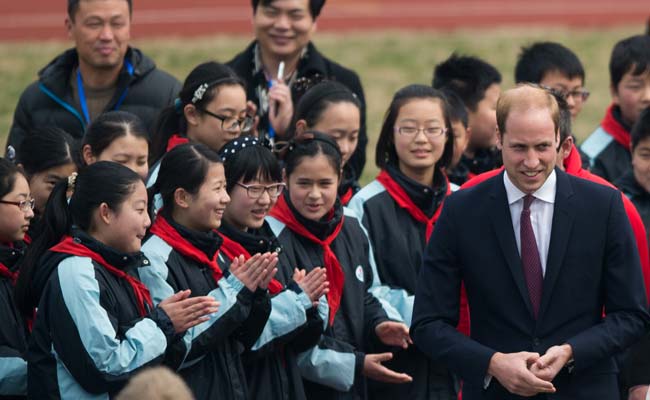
x=541, y=213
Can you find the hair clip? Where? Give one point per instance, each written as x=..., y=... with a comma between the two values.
x=199, y=92
x=178, y=105
x=11, y=154
x=72, y=181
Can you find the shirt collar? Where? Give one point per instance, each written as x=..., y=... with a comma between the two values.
x=545, y=193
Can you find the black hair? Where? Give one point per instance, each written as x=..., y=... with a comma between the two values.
x=46, y=148
x=315, y=6
x=110, y=126
x=457, y=109
x=469, y=77
x=641, y=129
x=385, y=152
x=538, y=59
x=249, y=163
x=73, y=6
x=311, y=144
x=185, y=166
x=102, y=182
x=564, y=125
x=8, y=171
x=171, y=120
x=315, y=101
x=629, y=55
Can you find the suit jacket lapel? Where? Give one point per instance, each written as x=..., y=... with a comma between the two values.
x=560, y=236
x=502, y=224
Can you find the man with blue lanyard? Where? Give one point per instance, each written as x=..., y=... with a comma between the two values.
x=101, y=73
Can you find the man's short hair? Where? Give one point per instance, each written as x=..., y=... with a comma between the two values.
x=641, y=129
x=469, y=77
x=315, y=6
x=541, y=58
x=629, y=55
x=73, y=6
x=525, y=97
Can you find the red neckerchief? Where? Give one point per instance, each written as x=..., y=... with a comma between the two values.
x=573, y=163
x=403, y=200
x=69, y=246
x=335, y=275
x=176, y=140
x=233, y=249
x=27, y=239
x=346, y=197
x=7, y=273
x=166, y=232
x=615, y=129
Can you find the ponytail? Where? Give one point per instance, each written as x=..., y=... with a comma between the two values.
x=102, y=182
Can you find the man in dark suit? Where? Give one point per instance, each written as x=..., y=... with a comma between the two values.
x=541, y=254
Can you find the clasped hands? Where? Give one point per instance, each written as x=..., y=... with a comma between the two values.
x=526, y=373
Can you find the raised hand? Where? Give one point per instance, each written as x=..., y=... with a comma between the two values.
x=393, y=334
x=186, y=312
x=314, y=283
x=280, y=107
x=271, y=270
x=512, y=371
x=373, y=369
x=250, y=272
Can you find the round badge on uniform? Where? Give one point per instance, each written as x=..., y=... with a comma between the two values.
x=359, y=273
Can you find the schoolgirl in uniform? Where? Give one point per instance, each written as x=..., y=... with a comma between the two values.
x=315, y=230
x=47, y=156
x=331, y=108
x=254, y=183
x=399, y=209
x=117, y=136
x=210, y=109
x=184, y=250
x=16, y=212
x=96, y=325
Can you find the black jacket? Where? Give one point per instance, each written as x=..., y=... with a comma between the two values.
x=13, y=333
x=608, y=157
x=333, y=368
x=213, y=367
x=49, y=101
x=637, y=195
x=89, y=337
x=314, y=65
x=398, y=243
x=293, y=326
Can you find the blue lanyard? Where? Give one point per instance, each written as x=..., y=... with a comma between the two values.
x=82, y=93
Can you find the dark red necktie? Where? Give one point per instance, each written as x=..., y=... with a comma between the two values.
x=530, y=257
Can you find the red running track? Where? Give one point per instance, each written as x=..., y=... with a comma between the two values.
x=43, y=19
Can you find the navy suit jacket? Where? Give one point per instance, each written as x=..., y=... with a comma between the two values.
x=592, y=265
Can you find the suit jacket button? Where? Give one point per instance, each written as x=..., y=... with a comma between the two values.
x=536, y=342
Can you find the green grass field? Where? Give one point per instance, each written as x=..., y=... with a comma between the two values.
x=385, y=61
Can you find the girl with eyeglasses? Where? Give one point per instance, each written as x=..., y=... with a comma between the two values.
x=399, y=210
x=210, y=109
x=117, y=136
x=16, y=213
x=254, y=183
x=316, y=231
x=96, y=325
x=186, y=252
x=331, y=108
x=48, y=156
